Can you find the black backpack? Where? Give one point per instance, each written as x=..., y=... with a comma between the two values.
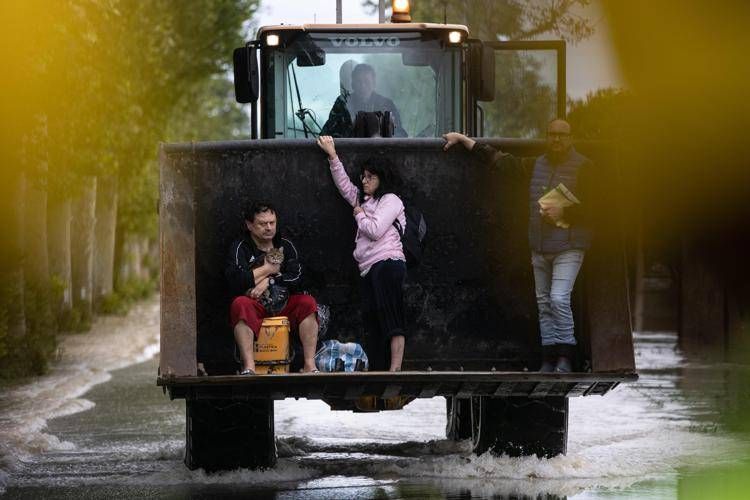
x=413, y=238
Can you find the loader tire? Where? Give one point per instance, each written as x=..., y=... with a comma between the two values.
x=226, y=434
x=458, y=413
x=520, y=426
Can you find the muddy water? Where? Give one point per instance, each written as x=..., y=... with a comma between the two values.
x=97, y=426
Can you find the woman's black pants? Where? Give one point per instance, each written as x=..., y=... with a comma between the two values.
x=383, y=310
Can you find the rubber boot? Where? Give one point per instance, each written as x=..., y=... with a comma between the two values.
x=565, y=354
x=549, y=356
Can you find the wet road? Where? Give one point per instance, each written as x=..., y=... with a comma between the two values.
x=124, y=438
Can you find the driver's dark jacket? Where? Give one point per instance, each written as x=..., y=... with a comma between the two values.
x=339, y=123
x=244, y=256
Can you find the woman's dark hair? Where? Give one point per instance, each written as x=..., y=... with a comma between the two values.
x=386, y=172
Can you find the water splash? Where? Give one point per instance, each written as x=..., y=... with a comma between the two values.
x=83, y=361
x=648, y=432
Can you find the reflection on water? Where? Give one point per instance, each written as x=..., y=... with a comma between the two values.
x=643, y=440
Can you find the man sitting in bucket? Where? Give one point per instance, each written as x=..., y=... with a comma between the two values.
x=264, y=274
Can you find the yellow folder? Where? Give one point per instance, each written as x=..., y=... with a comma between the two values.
x=559, y=196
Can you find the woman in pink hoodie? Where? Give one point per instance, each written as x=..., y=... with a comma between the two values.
x=379, y=254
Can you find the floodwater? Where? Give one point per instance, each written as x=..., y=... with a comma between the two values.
x=97, y=426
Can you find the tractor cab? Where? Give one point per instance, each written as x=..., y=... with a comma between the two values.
x=306, y=80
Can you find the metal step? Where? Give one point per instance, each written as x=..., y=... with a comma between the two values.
x=419, y=384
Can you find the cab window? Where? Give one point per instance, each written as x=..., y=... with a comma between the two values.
x=415, y=78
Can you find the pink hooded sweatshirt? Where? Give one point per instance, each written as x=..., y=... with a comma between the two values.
x=377, y=239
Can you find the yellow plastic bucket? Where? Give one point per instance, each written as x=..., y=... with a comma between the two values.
x=271, y=349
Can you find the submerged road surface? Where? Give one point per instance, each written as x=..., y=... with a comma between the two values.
x=97, y=426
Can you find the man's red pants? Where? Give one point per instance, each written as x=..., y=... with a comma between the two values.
x=298, y=307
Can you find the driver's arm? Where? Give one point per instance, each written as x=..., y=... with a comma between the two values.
x=339, y=123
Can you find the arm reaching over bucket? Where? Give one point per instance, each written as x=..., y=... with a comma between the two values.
x=558, y=231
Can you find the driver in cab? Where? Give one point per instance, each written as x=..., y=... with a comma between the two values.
x=363, y=97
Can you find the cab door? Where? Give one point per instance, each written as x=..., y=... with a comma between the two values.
x=529, y=88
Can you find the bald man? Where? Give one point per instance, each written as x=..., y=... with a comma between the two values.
x=558, y=237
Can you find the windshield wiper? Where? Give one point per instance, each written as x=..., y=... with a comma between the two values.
x=302, y=112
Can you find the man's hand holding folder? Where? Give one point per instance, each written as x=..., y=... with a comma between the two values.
x=553, y=203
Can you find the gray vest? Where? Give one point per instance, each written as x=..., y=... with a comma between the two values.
x=543, y=236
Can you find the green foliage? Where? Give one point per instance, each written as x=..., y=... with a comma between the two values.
x=504, y=19
x=71, y=320
x=119, y=301
x=90, y=89
x=66, y=319
x=728, y=482
x=136, y=289
x=12, y=324
x=525, y=101
x=40, y=341
x=81, y=317
x=600, y=114
x=209, y=112
x=5, y=301
x=30, y=353
x=136, y=210
x=105, y=81
x=113, y=304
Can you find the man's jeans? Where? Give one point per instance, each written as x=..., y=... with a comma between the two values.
x=554, y=277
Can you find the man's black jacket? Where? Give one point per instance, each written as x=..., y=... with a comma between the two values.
x=244, y=256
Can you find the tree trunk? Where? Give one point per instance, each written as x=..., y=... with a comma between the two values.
x=737, y=300
x=82, y=247
x=126, y=270
x=58, y=244
x=703, y=298
x=36, y=266
x=121, y=265
x=143, y=255
x=104, y=249
x=11, y=263
x=134, y=256
x=40, y=321
x=638, y=300
x=154, y=258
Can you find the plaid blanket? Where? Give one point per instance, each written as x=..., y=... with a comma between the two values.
x=332, y=350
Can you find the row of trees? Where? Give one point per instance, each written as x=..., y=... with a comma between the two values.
x=90, y=89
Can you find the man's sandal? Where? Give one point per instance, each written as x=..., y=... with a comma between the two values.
x=247, y=371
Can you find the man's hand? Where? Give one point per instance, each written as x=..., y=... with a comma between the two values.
x=452, y=138
x=326, y=144
x=553, y=213
x=261, y=287
x=264, y=271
